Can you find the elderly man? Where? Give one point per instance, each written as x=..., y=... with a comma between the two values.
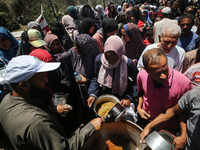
x=168, y=40
x=166, y=12
x=24, y=114
x=160, y=87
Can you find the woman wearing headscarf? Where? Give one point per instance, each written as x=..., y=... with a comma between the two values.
x=70, y=26
x=86, y=26
x=146, y=17
x=57, y=28
x=137, y=15
x=109, y=27
x=101, y=14
x=82, y=56
x=131, y=34
x=112, y=12
x=8, y=46
x=35, y=25
x=129, y=15
x=112, y=70
x=80, y=59
x=71, y=10
x=121, y=17
x=53, y=46
x=119, y=8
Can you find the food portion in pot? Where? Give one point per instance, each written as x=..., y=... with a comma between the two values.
x=112, y=146
x=113, y=142
x=105, y=108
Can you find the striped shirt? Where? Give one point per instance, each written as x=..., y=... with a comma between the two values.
x=193, y=73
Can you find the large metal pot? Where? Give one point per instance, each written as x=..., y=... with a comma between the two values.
x=124, y=133
x=116, y=113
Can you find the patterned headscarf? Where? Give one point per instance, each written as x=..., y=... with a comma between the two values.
x=135, y=46
x=84, y=63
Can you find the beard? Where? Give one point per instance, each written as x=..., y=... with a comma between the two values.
x=43, y=96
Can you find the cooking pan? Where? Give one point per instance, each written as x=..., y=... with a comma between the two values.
x=116, y=113
x=124, y=133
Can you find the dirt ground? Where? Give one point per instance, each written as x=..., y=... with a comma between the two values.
x=4, y=141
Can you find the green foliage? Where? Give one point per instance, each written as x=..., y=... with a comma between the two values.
x=30, y=10
x=31, y=13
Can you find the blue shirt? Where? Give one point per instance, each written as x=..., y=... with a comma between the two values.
x=188, y=43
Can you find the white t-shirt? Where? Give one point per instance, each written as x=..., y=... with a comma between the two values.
x=175, y=57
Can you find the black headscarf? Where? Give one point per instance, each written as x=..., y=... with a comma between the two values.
x=24, y=48
x=58, y=29
x=85, y=25
x=109, y=25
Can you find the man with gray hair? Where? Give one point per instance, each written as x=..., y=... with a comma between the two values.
x=166, y=12
x=168, y=40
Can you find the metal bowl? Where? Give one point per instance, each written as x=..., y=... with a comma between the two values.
x=156, y=141
x=124, y=133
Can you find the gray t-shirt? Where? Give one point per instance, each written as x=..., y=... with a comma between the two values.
x=191, y=103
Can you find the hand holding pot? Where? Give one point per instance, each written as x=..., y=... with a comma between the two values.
x=144, y=133
x=90, y=101
x=180, y=142
x=97, y=123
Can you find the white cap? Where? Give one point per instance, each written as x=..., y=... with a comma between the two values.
x=23, y=67
x=166, y=10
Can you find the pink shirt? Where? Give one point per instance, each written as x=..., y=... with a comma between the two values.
x=157, y=100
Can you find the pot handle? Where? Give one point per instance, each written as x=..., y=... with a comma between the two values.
x=106, y=118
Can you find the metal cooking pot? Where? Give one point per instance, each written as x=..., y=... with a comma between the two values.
x=116, y=113
x=158, y=141
x=124, y=133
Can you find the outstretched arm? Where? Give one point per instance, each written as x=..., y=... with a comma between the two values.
x=159, y=119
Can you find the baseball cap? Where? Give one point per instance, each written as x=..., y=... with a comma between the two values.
x=166, y=10
x=35, y=38
x=22, y=68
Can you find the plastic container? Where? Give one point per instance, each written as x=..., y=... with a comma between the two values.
x=77, y=76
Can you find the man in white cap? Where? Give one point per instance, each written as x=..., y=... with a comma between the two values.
x=166, y=11
x=26, y=119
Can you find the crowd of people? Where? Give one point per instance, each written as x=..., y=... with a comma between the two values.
x=146, y=53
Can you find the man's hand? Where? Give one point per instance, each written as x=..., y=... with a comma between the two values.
x=144, y=133
x=125, y=103
x=62, y=109
x=143, y=114
x=180, y=142
x=90, y=101
x=97, y=123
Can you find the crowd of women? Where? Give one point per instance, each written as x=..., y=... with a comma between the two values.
x=102, y=45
